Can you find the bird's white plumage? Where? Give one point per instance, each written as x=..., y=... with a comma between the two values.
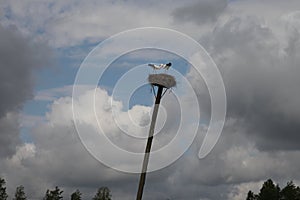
x=160, y=66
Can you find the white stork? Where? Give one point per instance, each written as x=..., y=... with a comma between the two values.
x=160, y=66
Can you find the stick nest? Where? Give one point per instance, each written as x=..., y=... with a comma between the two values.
x=164, y=80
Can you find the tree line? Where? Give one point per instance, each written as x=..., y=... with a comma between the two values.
x=103, y=193
x=270, y=191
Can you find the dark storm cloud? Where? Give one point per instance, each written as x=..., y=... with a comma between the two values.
x=9, y=134
x=201, y=12
x=18, y=59
x=261, y=76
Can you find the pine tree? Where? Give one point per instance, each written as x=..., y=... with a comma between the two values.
x=55, y=194
x=251, y=196
x=76, y=195
x=269, y=191
x=103, y=193
x=3, y=194
x=20, y=194
x=290, y=192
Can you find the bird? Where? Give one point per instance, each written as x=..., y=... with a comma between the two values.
x=160, y=66
x=167, y=66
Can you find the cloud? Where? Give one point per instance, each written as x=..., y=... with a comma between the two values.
x=260, y=73
x=18, y=60
x=201, y=12
x=69, y=23
x=261, y=76
x=240, y=191
x=9, y=137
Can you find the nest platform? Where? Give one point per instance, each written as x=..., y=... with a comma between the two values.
x=165, y=80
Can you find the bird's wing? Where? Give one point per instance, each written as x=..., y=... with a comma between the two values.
x=154, y=66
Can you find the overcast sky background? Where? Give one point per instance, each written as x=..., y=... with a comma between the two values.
x=255, y=44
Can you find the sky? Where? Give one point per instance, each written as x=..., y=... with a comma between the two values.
x=255, y=45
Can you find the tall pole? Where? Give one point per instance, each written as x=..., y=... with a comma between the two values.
x=149, y=143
